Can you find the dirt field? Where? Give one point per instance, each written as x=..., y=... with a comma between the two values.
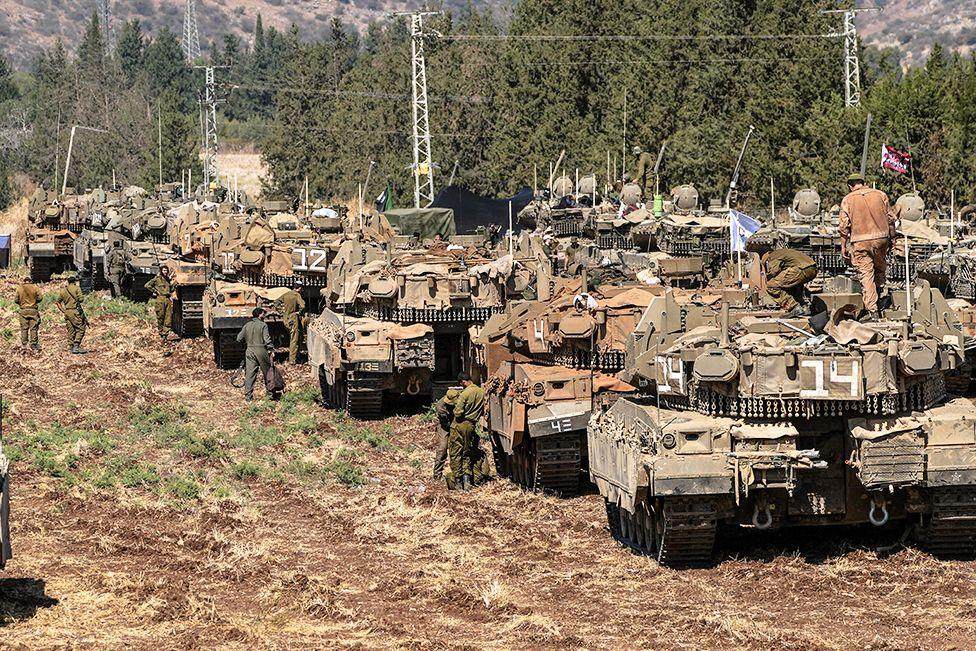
x=153, y=509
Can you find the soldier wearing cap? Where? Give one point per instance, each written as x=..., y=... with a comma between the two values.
x=444, y=408
x=28, y=301
x=69, y=303
x=867, y=228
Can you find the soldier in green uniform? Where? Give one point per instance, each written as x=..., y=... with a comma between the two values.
x=463, y=444
x=28, y=300
x=257, y=356
x=292, y=310
x=69, y=303
x=115, y=265
x=444, y=408
x=644, y=174
x=162, y=286
x=787, y=272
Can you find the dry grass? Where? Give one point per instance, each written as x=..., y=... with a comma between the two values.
x=246, y=166
x=151, y=505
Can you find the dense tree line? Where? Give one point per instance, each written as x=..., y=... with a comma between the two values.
x=505, y=100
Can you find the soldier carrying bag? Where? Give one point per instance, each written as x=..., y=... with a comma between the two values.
x=274, y=379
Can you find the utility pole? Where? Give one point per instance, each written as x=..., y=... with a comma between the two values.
x=191, y=35
x=210, y=102
x=852, y=64
x=105, y=20
x=423, y=165
x=71, y=145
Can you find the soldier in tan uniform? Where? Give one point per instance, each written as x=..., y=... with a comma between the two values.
x=867, y=227
x=162, y=286
x=787, y=272
x=644, y=174
x=29, y=300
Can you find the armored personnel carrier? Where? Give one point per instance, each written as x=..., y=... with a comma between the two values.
x=547, y=365
x=756, y=421
x=398, y=322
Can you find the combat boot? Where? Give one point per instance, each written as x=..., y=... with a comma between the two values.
x=467, y=482
x=37, y=348
x=77, y=350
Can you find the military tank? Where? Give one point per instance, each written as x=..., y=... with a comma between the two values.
x=53, y=225
x=547, y=365
x=687, y=230
x=756, y=421
x=398, y=322
x=258, y=254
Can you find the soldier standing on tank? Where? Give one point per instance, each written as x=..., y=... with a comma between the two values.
x=463, y=444
x=444, y=408
x=787, y=272
x=162, y=286
x=644, y=173
x=257, y=356
x=292, y=310
x=69, y=303
x=867, y=228
x=29, y=300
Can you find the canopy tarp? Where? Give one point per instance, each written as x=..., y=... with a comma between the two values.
x=426, y=221
x=472, y=210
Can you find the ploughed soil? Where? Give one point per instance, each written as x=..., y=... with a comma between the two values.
x=152, y=508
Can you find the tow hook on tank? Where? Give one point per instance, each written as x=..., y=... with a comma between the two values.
x=878, y=513
x=762, y=515
x=413, y=385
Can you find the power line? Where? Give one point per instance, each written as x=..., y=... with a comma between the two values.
x=630, y=37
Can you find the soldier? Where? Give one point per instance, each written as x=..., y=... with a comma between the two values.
x=463, y=443
x=28, y=299
x=115, y=266
x=444, y=408
x=292, y=310
x=867, y=227
x=415, y=242
x=644, y=173
x=69, y=303
x=258, y=354
x=162, y=286
x=787, y=272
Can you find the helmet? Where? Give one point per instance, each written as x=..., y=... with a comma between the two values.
x=636, y=150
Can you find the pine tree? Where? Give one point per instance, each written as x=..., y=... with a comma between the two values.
x=179, y=141
x=131, y=49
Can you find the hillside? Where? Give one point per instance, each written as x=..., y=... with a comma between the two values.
x=28, y=25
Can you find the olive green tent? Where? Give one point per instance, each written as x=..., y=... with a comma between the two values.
x=426, y=221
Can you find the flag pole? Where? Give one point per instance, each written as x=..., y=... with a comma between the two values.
x=911, y=166
x=952, y=215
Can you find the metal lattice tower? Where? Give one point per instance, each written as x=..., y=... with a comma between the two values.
x=105, y=22
x=423, y=165
x=852, y=63
x=191, y=35
x=211, y=173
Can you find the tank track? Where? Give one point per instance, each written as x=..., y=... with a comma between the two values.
x=679, y=532
x=228, y=352
x=364, y=403
x=188, y=326
x=951, y=532
x=550, y=464
x=959, y=381
x=41, y=269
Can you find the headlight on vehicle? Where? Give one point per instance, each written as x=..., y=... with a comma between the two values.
x=668, y=441
x=539, y=389
x=350, y=336
x=220, y=298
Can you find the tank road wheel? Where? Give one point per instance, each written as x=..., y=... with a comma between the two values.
x=613, y=519
x=959, y=381
x=228, y=352
x=688, y=531
x=951, y=531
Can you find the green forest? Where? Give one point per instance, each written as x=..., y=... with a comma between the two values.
x=588, y=77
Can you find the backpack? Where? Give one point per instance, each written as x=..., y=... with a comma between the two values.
x=274, y=379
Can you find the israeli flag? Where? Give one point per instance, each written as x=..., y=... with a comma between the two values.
x=741, y=228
